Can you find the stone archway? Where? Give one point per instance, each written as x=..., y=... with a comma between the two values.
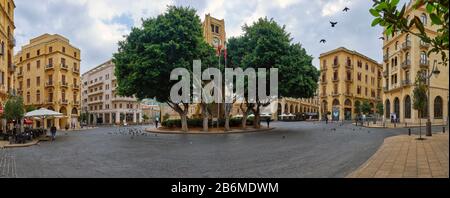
x=387, y=109
x=397, y=108
x=63, y=121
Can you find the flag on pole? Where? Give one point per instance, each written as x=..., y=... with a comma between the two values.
x=225, y=53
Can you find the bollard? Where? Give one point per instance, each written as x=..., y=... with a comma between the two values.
x=409, y=132
x=395, y=125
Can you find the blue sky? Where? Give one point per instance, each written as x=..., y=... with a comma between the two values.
x=96, y=26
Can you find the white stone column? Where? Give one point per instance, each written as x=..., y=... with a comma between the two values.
x=134, y=118
x=118, y=117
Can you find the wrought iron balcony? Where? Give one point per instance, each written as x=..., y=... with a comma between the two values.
x=406, y=64
x=406, y=45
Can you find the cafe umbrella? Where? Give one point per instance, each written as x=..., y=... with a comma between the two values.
x=43, y=114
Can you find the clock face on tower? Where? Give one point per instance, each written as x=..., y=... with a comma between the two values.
x=216, y=42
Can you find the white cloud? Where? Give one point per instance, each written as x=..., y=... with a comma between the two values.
x=334, y=6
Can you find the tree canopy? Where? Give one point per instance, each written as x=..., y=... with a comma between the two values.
x=148, y=55
x=14, y=108
x=388, y=15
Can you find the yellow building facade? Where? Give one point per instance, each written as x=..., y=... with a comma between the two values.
x=348, y=78
x=48, y=76
x=7, y=44
x=404, y=56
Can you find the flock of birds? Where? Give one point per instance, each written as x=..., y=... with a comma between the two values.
x=131, y=131
x=334, y=23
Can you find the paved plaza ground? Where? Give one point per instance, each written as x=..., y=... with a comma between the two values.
x=407, y=157
x=293, y=149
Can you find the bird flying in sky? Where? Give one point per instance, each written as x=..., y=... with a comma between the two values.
x=346, y=9
x=333, y=24
x=382, y=38
x=323, y=41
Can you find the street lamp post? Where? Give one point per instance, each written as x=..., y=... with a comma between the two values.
x=428, y=76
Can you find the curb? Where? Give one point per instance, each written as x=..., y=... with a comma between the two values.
x=208, y=133
x=35, y=142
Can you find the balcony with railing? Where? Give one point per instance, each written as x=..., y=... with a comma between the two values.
x=76, y=87
x=64, y=67
x=406, y=64
x=49, y=67
x=349, y=80
x=76, y=70
x=50, y=102
x=348, y=94
x=64, y=84
x=49, y=84
x=11, y=68
x=424, y=45
x=64, y=102
x=335, y=94
x=12, y=40
x=335, y=65
x=386, y=57
x=349, y=66
x=406, y=82
x=20, y=75
x=335, y=79
x=385, y=73
x=76, y=103
x=385, y=89
x=406, y=45
x=424, y=63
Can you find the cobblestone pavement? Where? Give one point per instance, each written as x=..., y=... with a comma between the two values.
x=406, y=157
x=7, y=164
x=293, y=149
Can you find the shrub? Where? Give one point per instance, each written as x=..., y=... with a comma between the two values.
x=197, y=122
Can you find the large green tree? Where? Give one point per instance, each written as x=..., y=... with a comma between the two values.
x=148, y=55
x=266, y=44
x=366, y=108
x=14, y=109
x=420, y=97
x=394, y=19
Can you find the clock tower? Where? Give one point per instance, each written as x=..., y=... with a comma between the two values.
x=214, y=31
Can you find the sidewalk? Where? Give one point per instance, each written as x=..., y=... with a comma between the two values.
x=405, y=157
x=397, y=125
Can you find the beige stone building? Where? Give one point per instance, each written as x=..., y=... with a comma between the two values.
x=48, y=75
x=101, y=102
x=7, y=44
x=214, y=31
x=404, y=56
x=348, y=78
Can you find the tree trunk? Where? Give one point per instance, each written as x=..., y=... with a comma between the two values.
x=257, y=121
x=205, y=115
x=227, y=116
x=244, y=121
x=227, y=123
x=184, y=125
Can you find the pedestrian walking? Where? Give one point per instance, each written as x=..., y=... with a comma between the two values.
x=268, y=122
x=156, y=122
x=326, y=119
x=53, y=132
